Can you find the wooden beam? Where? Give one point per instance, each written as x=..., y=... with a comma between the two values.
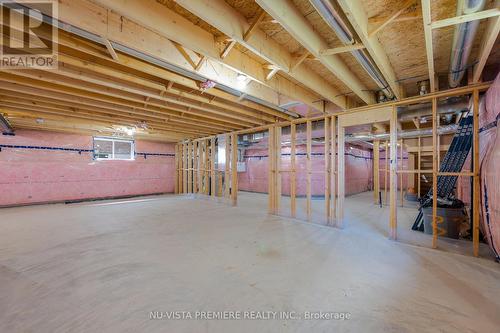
x=356, y=14
x=227, y=49
x=185, y=55
x=489, y=37
x=110, y=48
x=298, y=60
x=300, y=28
x=234, y=25
x=271, y=73
x=379, y=19
x=426, y=15
x=253, y=26
x=391, y=17
x=466, y=18
x=342, y=49
x=149, y=28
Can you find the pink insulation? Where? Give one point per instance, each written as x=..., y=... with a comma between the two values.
x=490, y=161
x=254, y=179
x=489, y=150
x=34, y=176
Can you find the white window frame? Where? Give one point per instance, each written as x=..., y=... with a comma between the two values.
x=113, y=140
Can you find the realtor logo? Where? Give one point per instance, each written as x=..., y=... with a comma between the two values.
x=29, y=34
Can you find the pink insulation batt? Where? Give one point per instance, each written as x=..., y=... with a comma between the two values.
x=30, y=176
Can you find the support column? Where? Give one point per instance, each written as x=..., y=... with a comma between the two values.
x=293, y=175
x=309, y=170
x=234, y=169
x=393, y=175
x=376, y=171
x=476, y=187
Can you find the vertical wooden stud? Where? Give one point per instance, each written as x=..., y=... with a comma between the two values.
x=386, y=171
x=476, y=185
x=234, y=169
x=227, y=175
x=333, y=166
x=277, y=185
x=401, y=157
x=434, y=174
x=212, y=167
x=327, y=169
x=309, y=169
x=271, y=172
x=293, y=174
x=419, y=165
x=340, y=174
x=393, y=186
x=376, y=171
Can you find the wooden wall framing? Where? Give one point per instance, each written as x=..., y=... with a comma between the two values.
x=336, y=170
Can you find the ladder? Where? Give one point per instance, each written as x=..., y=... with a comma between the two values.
x=453, y=162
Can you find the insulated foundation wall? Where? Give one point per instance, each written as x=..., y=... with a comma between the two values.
x=255, y=178
x=29, y=175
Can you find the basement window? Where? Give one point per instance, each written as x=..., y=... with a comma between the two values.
x=113, y=149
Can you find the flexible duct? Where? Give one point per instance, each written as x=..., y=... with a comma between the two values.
x=330, y=15
x=463, y=40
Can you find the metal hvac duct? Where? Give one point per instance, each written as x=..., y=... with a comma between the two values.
x=463, y=40
x=330, y=15
x=448, y=129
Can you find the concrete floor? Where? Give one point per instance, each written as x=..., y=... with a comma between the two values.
x=104, y=266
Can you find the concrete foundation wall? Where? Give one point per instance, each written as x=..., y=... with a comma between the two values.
x=33, y=176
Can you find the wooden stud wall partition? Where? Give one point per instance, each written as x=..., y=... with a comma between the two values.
x=336, y=171
x=196, y=168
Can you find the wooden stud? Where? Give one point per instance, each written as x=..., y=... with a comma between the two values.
x=227, y=174
x=327, y=169
x=419, y=166
x=185, y=168
x=277, y=184
x=340, y=174
x=271, y=171
x=476, y=186
x=401, y=174
x=190, y=167
x=386, y=170
x=393, y=184
x=212, y=167
x=333, y=167
x=309, y=169
x=293, y=175
x=434, y=174
x=376, y=171
x=234, y=169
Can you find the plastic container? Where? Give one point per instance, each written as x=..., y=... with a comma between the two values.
x=448, y=221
